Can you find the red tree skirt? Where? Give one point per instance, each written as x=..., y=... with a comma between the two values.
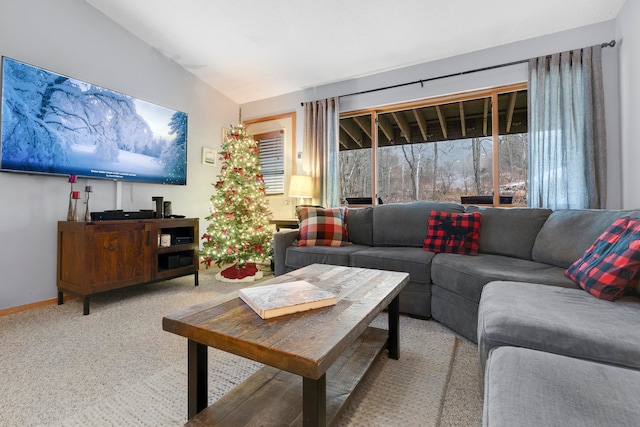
x=248, y=273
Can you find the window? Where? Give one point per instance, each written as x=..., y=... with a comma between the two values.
x=513, y=146
x=356, y=167
x=439, y=149
x=272, y=160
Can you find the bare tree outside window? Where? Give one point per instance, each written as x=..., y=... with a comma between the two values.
x=413, y=154
x=355, y=173
x=514, y=167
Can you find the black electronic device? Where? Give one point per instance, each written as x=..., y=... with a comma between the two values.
x=120, y=215
x=181, y=240
x=185, y=260
x=169, y=261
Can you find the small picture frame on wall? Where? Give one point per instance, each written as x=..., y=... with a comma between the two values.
x=225, y=132
x=208, y=156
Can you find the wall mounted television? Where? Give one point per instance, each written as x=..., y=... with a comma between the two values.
x=57, y=125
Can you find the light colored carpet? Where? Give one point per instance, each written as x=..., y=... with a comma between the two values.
x=117, y=367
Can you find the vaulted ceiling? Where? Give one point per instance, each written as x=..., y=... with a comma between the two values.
x=255, y=49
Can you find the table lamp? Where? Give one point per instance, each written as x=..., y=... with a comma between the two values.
x=301, y=186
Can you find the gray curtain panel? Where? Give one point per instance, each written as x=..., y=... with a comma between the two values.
x=567, y=138
x=320, y=149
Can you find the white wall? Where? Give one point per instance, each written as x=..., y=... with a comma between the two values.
x=628, y=34
x=72, y=38
x=577, y=38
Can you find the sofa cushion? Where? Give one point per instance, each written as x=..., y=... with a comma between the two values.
x=510, y=231
x=528, y=388
x=301, y=256
x=455, y=312
x=466, y=276
x=610, y=268
x=360, y=225
x=568, y=233
x=456, y=233
x=557, y=320
x=322, y=227
x=415, y=300
x=405, y=224
x=414, y=261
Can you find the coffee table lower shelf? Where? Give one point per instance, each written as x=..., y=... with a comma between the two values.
x=274, y=397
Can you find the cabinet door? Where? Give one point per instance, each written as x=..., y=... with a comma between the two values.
x=118, y=255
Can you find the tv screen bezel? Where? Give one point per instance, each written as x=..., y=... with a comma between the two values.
x=113, y=175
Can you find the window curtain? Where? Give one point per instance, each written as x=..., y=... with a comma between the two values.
x=567, y=138
x=320, y=149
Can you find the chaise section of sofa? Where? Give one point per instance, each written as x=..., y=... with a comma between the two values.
x=529, y=388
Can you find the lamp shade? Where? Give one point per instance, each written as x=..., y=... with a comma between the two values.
x=301, y=186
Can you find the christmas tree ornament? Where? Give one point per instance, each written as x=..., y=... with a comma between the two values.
x=238, y=232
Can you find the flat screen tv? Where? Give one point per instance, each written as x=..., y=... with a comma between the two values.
x=54, y=124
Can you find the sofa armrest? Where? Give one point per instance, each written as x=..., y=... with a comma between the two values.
x=281, y=241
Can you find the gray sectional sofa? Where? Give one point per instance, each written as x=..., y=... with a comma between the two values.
x=537, y=331
x=516, y=244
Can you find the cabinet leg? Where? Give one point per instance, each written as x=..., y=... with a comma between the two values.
x=60, y=298
x=85, y=305
x=196, y=278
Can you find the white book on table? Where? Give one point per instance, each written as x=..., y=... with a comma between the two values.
x=285, y=298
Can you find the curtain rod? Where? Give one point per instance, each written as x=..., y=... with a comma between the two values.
x=612, y=43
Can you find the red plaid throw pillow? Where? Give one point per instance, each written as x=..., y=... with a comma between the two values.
x=610, y=268
x=456, y=233
x=322, y=227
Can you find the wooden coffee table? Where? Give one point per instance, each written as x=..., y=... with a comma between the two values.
x=331, y=348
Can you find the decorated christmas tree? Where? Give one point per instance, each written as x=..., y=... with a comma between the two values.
x=239, y=230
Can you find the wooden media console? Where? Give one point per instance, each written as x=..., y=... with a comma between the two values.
x=100, y=256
